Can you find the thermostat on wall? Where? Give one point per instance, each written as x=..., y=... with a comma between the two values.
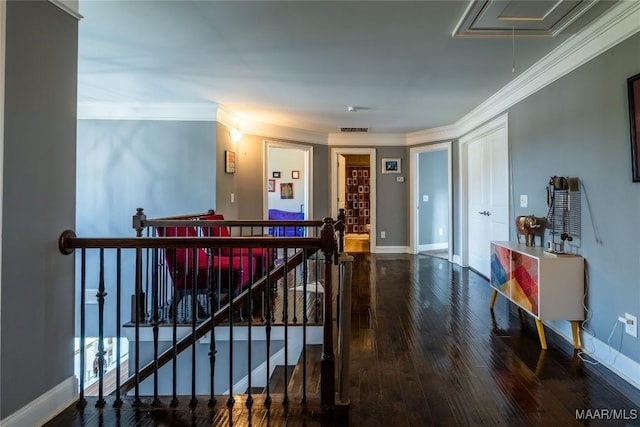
x=399, y=178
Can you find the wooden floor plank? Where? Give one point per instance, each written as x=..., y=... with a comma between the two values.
x=425, y=351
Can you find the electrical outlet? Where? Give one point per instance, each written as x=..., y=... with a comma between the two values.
x=631, y=325
x=233, y=197
x=383, y=234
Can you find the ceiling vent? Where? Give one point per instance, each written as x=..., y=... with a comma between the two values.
x=513, y=18
x=354, y=130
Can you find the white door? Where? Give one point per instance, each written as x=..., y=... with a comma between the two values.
x=487, y=195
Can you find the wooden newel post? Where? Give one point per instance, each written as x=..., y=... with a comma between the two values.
x=327, y=362
x=138, y=298
x=342, y=220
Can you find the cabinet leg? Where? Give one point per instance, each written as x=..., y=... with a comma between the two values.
x=543, y=340
x=494, y=294
x=576, y=334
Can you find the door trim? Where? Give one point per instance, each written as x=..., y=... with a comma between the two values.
x=492, y=126
x=333, y=170
x=308, y=165
x=415, y=197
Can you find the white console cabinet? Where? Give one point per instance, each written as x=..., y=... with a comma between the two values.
x=547, y=286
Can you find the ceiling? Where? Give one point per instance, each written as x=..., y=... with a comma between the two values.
x=301, y=64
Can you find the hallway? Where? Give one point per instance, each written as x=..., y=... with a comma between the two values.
x=426, y=350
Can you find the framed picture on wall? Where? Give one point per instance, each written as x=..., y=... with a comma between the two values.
x=391, y=166
x=229, y=161
x=295, y=174
x=271, y=186
x=633, y=84
x=286, y=190
x=275, y=174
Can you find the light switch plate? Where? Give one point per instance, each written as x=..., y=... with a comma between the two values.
x=524, y=200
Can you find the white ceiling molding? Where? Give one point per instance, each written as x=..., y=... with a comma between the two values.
x=441, y=133
x=135, y=111
x=366, y=140
x=268, y=130
x=541, y=18
x=72, y=7
x=615, y=25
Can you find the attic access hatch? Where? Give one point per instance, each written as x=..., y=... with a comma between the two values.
x=518, y=18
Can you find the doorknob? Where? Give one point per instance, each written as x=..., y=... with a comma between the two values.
x=485, y=213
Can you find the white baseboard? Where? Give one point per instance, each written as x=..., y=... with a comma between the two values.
x=610, y=358
x=435, y=246
x=391, y=250
x=457, y=260
x=45, y=407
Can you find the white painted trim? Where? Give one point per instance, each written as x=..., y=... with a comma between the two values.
x=492, y=126
x=373, y=174
x=72, y=7
x=435, y=246
x=44, y=407
x=615, y=25
x=415, y=197
x=308, y=162
x=392, y=250
x=137, y=111
x=3, y=38
x=621, y=365
x=441, y=133
x=367, y=139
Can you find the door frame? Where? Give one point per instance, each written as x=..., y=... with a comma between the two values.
x=415, y=197
x=308, y=173
x=333, y=170
x=463, y=145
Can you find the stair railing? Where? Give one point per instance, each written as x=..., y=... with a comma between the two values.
x=112, y=248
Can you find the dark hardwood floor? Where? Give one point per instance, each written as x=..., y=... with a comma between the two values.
x=426, y=350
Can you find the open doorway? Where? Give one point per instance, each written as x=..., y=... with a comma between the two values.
x=353, y=189
x=431, y=200
x=288, y=181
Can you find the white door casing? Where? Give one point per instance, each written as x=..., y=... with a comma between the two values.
x=415, y=196
x=337, y=151
x=307, y=173
x=484, y=165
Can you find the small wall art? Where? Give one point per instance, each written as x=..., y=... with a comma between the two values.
x=271, y=186
x=391, y=166
x=295, y=174
x=286, y=190
x=229, y=161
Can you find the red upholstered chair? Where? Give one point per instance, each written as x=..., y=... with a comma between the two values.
x=180, y=264
x=263, y=257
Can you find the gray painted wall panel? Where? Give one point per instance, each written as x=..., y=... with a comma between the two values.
x=579, y=126
x=38, y=201
x=167, y=168
x=392, y=199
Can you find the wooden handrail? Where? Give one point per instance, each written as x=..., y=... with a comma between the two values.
x=68, y=241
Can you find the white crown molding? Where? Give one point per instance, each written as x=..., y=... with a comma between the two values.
x=441, y=133
x=45, y=407
x=268, y=130
x=615, y=25
x=140, y=111
x=72, y=7
x=366, y=139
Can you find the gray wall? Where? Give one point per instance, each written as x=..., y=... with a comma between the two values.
x=392, y=199
x=247, y=182
x=166, y=167
x=38, y=201
x=433, y=181
x=579, y=126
